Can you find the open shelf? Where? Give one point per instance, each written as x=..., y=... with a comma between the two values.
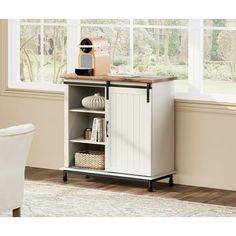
x=82, y=140
x=84, y=110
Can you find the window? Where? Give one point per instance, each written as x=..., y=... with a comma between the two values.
x=41, y=55
x=150, y=47
x=161, y=48
x=153, y=47
x=198, y=52
x=219, y=56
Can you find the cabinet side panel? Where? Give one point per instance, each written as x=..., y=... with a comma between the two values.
x=66, y=131
x=162, y=128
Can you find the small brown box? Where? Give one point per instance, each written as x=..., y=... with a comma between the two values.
x=87, y=133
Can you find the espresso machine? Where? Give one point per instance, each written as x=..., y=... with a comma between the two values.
x=94, y=57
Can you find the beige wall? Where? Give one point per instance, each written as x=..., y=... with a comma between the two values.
x=206, y=145
x=47, y=116
x=44, y=110
x=205, y=132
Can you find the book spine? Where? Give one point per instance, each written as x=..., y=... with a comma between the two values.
x=94, y=130
x=103, y=129
x=99, y=128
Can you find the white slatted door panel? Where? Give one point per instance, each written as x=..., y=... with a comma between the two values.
x=129, y=141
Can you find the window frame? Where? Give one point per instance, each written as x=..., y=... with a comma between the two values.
x=14, y=59
x=195, y=29
x=131, y=26
x=196, y=65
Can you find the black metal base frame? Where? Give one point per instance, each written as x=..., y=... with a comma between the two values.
x=149, y=182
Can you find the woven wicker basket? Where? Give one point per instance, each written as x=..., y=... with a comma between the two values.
x=90, y=160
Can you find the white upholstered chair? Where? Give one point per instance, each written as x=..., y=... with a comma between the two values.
x=15, y=144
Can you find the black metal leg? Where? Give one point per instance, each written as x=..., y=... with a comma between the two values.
x=171, y=182
x=150, y=186
x=65, y=178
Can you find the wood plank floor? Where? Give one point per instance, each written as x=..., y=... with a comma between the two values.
x=182, y=192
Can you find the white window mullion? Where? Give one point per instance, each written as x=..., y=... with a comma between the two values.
x=13, y=52
x=73, y=39
x=131, y=46
x=41, y=51
x=195, y=53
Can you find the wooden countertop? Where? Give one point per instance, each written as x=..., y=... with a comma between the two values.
x=120, y=78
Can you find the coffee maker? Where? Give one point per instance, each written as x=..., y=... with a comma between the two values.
x=94, y=57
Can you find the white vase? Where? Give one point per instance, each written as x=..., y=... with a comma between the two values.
x=95, y=102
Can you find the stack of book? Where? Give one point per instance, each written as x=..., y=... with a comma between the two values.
x=98, y=130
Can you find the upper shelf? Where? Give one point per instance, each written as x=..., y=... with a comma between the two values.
x=82, y=140
x=120, y=78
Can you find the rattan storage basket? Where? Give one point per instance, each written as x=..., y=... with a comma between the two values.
x=90, y=160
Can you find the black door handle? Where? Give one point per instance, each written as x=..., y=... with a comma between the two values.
x=107, y=129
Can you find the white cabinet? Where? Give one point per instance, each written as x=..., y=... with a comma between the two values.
x=139, y=118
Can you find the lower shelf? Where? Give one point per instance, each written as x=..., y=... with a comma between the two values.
x=106, y=173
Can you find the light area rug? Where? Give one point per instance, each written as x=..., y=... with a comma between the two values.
x=55, y=200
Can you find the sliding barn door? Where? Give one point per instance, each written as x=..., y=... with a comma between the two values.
x=128, y=145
